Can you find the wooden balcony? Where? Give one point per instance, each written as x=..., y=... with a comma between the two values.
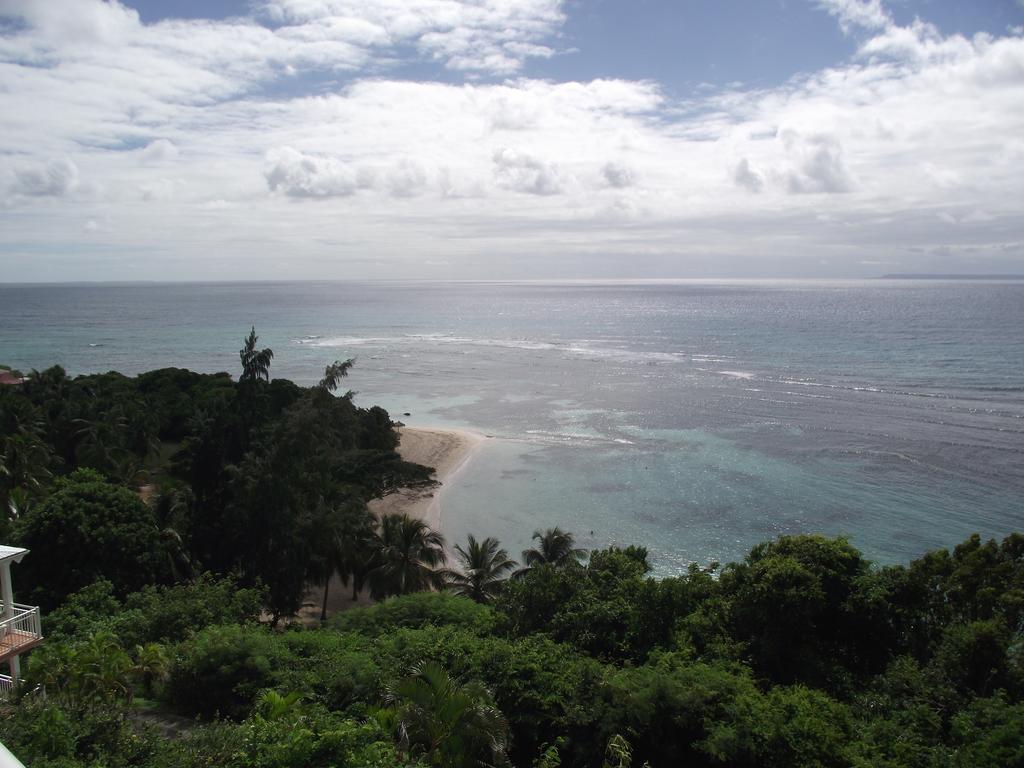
x=20, y=631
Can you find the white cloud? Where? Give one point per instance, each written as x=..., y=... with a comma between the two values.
x=158, y=151
x=300, y=175
x=748, y=178
x=55, y=178
x=161, y=189
x=523, y=172
x=819, y=164
x=618, y=175
x=75, y=23
x=494, y=36
x=867, y=14
x=167, y=127
x=406, y=178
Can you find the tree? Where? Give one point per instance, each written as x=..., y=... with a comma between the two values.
x=95, y=673
x=555, y=547
x=484, y=568
x=989, y=734
x=454, y=725
x=792, y=600
x=25, y=462
x=409, y=556
x=274, y=706
x=151, y=665
x=24, y=471
x=255, y=363
x=222, y=669
x=339, y=532
x=334, y=373
x=787, y=727
x=89, y=529
x=977, y=657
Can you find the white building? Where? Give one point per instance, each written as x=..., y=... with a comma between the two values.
x=20, y=628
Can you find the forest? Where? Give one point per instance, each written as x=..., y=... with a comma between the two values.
x=175, y=521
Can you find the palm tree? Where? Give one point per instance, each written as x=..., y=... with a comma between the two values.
x=484, y=568
x=25, y=461
x=178, y=559
x=174, y=508
x=255, y=363
x=24, y=471
x=274, y=706
x=326, y=557
x=99, y=442
x=151, y=665
x=618, y=753
x=555, y=547
x=360, y=560
x=408, y=557
x=101, y=669
x=19, y=502
x=337, y=532
x=334, y=373
x=453, y=724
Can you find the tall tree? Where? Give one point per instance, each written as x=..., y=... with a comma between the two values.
x=409, y=556
x=334, y=373
x=255, y=363
x=554, y=547
x=485, y=565
x=339, y=530
x=88, y=529
x=24, y=465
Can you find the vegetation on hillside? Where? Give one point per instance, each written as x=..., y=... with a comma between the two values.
x=175, y=518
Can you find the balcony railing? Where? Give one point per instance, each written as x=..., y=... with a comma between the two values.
x=7, y=686
x=19, y=628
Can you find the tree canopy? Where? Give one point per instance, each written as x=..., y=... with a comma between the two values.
x=176, y=520
x=89, y=529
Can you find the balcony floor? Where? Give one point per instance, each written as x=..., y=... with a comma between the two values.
x=16, y=642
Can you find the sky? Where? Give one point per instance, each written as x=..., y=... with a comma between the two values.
x=509, y=139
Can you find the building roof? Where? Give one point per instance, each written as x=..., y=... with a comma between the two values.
x=11, y=553
x=6, y=377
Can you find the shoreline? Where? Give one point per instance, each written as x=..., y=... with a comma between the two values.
x=448, y=451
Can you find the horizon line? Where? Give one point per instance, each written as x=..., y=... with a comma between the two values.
x=477, y=281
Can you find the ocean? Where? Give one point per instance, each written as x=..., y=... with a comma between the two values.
x=696, y=418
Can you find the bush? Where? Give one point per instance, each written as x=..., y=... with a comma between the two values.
x=544, y=689
x=415, y=611
x=174, y=613
x=89, y=529
x=44, y=734
x=337, y=670
x=221, y=669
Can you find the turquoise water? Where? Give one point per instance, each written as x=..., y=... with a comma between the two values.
x=696, y=418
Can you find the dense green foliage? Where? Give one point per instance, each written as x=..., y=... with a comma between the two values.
x=88, y=529
x=484, y=567
x=675, y=671
x=802, y=654
x=258, y=478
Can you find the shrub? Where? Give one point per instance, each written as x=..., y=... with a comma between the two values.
x=221, y=670
x=415, y=611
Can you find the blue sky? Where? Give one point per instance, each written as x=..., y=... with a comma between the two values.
x=494, y=139
x=684, y=44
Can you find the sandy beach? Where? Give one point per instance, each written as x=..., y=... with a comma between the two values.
x=448, y=451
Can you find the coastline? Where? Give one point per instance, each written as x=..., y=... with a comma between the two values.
x=448, y=451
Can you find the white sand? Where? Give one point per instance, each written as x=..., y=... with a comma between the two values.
x=448, y=451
